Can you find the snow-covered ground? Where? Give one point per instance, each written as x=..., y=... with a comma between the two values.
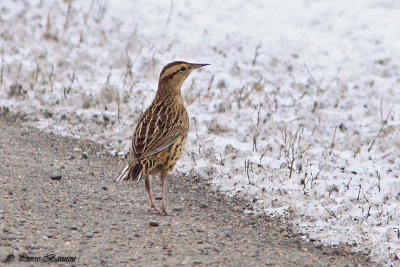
x=299, y=112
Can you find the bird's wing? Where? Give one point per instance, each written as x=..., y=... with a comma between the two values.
x=158, y=129
x=162, y=144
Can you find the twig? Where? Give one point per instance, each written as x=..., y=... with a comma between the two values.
x=126, y=75
x=293, y=151
x=210, y=83
x=256, y=54
x=395, y=208
x=195, y=127
x=330, y=212
x=47, y=34
x=292, y=160
x=20, y=67
x=383, y=123
x=334, y=78
x=128, y=67
x=255, y=136
x=368, y=214
x=316, y=175
x=100, y=12
x=66, y=91
x=309, y=73
x=258, y=113
x=348, y=184
x=2, y=64
x=246, y=168
x=171, y=7
x=108, y=78
x=239, y=96
x=118, y=108
x=221, y=159
x=51, y=77
x=379, y=180
x=37, y=70
x=318, y=86
x=67, y=15
x=262, y=155
x=209, y=140
x=333, y=141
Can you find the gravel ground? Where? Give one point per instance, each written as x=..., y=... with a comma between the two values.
x=85, y=214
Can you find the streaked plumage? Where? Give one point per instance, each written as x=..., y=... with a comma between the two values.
x=161, y=133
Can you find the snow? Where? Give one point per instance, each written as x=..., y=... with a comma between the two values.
x=313, y=83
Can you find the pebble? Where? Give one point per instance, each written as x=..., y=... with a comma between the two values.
x=318, y=245
x=85, y=155
x=204, y=252
x=104, y=188
x=24, y=131
x=47, y=114
x=56, y=177
x=89, y=235
x=203, y=206
x=154, y=223
x=177, y=208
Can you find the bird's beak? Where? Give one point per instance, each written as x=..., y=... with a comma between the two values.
x=196, y=66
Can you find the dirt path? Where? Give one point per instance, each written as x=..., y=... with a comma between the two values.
x=86, y=215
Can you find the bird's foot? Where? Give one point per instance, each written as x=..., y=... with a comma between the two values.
x=153, y=210
x=163, y=210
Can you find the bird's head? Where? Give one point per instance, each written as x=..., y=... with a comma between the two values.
x=175, y=73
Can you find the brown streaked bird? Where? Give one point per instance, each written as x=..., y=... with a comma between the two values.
x=161, y=133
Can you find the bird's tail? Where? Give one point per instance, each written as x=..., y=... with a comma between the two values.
x=132, y=171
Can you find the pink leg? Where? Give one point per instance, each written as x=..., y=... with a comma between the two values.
x=153, y=208
x=163, y=209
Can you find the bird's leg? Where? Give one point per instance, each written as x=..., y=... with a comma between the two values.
x=163, y=174
x=147, y=184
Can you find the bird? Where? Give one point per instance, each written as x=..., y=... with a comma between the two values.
x=160, y=135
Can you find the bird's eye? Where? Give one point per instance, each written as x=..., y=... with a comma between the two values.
x=182, y=69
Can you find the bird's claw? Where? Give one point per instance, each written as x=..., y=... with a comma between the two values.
x=153, y=210
x=163, y=210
